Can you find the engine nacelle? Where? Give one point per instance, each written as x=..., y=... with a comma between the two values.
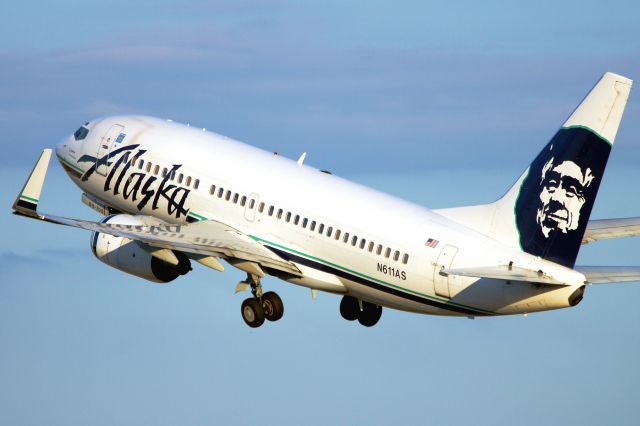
x=129, y=256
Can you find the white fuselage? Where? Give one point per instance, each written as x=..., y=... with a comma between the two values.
x=394, y=260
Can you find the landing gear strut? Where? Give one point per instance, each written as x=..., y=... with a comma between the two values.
x=261, y=306
x=367, y=314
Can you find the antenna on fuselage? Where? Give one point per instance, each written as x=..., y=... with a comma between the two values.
x=301, y=159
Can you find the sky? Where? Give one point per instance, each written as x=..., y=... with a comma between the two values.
x=442, y=104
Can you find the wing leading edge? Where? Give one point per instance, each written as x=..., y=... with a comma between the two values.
x=603, y=229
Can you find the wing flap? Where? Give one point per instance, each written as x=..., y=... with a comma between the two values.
x=603, y=229
x=208, y=238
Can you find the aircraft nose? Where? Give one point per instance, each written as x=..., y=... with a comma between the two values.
x=63, y=146
x=71, y=146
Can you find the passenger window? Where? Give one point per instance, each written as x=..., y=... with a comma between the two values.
x=379, y=249
x=271, y=209
x=252, y=203
x=280, y=211
x=354, y=240
x=261, y=208
x=235, y=198
x=321, y=228
x=149, y=167
x=387, y=252
x=363, y=242
x=227, y=196
x=396, y=255
x=140, y=164
x=305, y=222
x=405, y=258
x=173, y=175
x=371, y=244
x=337, y=236
x=288, y=217
x=313, y=226
x=346, y=238
x=180, y=178
x=329, y=231
x=296, y=220
x=156, y=169
x=196, y=184
x=243, y=200
x=220, y=192
x=212, y=190
x=188, y=182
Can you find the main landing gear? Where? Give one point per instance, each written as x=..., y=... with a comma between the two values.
x=261, y=306
x=367, y=314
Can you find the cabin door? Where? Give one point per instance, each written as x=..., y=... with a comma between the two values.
x=105, y=147
x=251, y=207
x=441, y=281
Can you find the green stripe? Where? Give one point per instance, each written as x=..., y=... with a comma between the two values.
x=35, y=200
x=578, y=126
x=445, y=301
x=74, y=167
x=197, y=216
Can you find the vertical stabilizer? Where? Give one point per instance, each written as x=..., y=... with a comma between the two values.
x=546, y=212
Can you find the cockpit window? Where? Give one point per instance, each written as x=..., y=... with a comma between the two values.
x=81, y=133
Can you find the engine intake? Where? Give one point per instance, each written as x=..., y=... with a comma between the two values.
x=130, y=256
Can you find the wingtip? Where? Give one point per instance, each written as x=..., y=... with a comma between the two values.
x=26, y=202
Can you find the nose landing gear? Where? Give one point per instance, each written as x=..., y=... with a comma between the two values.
x=367, y=314
x=261, y=306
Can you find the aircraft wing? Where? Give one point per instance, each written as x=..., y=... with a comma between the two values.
x=602, y=229
x=206, y=238
x=609, y=274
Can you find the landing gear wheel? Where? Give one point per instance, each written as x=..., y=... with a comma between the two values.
x=272, y=306
x=349, y=308
x=370, y=314
x=252, y=312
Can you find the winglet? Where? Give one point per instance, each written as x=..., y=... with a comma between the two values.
x=27, y=201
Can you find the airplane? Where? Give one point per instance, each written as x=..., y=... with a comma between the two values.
x=173, y=195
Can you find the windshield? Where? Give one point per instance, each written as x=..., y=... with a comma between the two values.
x=81, y=133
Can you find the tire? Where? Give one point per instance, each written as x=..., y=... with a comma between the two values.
x=272, y=306
x=252, y=312
x=349, y=308
x=370, y=314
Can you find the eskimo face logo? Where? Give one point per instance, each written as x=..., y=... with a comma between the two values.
x=562, y=196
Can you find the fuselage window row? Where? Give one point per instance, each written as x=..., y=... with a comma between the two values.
x=311, y=224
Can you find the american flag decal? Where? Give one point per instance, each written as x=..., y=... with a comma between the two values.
x=431, y=243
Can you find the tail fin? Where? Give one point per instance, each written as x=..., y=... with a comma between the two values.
x=546, y=212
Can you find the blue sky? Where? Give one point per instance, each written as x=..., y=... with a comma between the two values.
x=438, y=103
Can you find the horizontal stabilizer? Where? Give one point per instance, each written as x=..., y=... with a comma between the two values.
x=609, y=274
x=504, y=272
x=603, y=229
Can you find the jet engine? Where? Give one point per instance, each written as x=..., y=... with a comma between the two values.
x=133, y=257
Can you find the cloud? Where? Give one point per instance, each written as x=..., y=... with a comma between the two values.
x=143, y=54
x=10, y=259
